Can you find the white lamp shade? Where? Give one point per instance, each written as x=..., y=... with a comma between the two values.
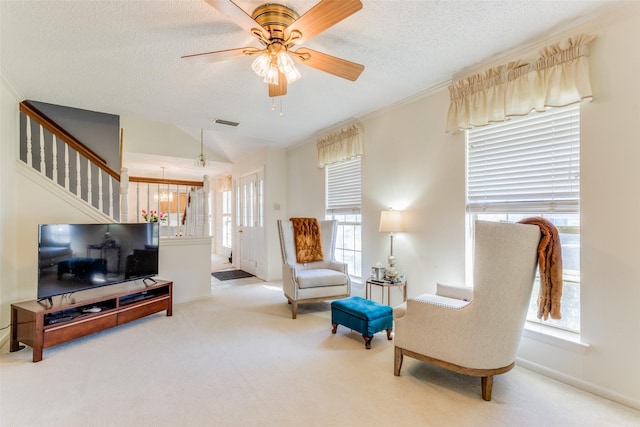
x=390, y=221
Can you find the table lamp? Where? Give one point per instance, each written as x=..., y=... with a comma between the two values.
x=391, y=222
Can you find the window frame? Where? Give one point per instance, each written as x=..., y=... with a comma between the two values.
x=565, y=207
x=227, y=219
x=343, y=189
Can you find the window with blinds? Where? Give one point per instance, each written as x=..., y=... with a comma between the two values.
x=344, y=187
x=526, y=164
x=530, y=166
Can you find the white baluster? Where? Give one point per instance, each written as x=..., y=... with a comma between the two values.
x=100, y=192
x=138, y=208
x=29, y=143
x=89, y=184
x=78, y=176
x=157, y=200
x=205, y=205
x=54, y=173
x=43, y=170
x=124, y=194
x=198, y=231
x=111, y=196
x=178, y=210
x=66, y=167
x=148, y=208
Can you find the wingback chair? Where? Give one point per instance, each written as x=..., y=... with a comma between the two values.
x=313, y=281
x=475, y=331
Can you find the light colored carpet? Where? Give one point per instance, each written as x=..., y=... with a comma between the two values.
x=238, y=359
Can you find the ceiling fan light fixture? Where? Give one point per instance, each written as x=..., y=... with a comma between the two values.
x=279, y=28
x=274, y=60
x=261, y=64
x=271, y=76
x=286, y=66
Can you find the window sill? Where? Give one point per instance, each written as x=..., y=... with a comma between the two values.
x=554, y=336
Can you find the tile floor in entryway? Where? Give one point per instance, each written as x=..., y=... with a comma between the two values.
x=220, y=263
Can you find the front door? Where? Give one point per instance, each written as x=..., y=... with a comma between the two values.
x=250, y=227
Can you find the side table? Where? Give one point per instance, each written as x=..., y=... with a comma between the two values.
x=386, y=285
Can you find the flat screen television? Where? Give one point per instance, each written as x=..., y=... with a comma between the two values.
x=76, y=257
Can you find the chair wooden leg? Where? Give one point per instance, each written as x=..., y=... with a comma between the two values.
x=487, y=386
x=294, y=309
x=397, y=361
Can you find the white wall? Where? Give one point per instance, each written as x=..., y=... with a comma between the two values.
x=305, y=183
x=412, y=165
x=149, y=137
x=42, y=203
x=187, y=263
x=272, y=162
x=275, y=206
x=9, y=135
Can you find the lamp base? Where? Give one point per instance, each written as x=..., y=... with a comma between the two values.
x=391, y=273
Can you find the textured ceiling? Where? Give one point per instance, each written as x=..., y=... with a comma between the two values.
x=123, y=57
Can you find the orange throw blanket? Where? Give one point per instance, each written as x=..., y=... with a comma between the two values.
x=306, y=233
x=550, y=265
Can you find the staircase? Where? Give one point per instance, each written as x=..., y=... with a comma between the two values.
x=67, y=165
x=61, y=164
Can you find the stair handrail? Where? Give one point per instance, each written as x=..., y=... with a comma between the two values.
x=30, y=110
x=166, y=181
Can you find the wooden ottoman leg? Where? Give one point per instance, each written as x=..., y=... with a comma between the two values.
x=389, y=334
x=367, y=342
x=335, y=328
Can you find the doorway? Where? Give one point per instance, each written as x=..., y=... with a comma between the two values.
x=250, y=223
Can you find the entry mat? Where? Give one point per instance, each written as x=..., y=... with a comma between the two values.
x=231, y=275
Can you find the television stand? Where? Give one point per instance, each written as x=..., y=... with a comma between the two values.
x=84, y=313
x=50, y=299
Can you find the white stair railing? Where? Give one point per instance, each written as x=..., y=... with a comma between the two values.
x=40, y=151
x=183, y=205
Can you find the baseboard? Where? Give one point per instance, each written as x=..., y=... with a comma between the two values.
x=578, y=383
x=4, y=337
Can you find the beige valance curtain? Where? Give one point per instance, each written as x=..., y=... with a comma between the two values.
x=224, y=183
x=558, y=78
x=342, y=145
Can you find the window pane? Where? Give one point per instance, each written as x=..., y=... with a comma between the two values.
x=569, y=234
x=343, y=188
x=526, y=167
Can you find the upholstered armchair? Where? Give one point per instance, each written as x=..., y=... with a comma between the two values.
x=312, y=281
x=475, y=331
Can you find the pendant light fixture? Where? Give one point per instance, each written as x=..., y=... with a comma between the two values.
x=201, y=159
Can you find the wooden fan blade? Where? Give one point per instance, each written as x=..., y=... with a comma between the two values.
x=279, y=89
x=238, y=16
x=329, y=64
x=221, y=55
x=322, y=16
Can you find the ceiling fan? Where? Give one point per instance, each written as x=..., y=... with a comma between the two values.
x=279, y=28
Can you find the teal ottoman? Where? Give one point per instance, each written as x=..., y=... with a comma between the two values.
x=362, y=315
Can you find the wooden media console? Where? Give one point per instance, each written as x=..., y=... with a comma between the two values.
x=40, y=324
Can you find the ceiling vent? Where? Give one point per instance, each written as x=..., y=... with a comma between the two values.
x=226, y=122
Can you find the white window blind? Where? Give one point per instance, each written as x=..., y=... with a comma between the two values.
x=344, y=187
x=526, y=164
